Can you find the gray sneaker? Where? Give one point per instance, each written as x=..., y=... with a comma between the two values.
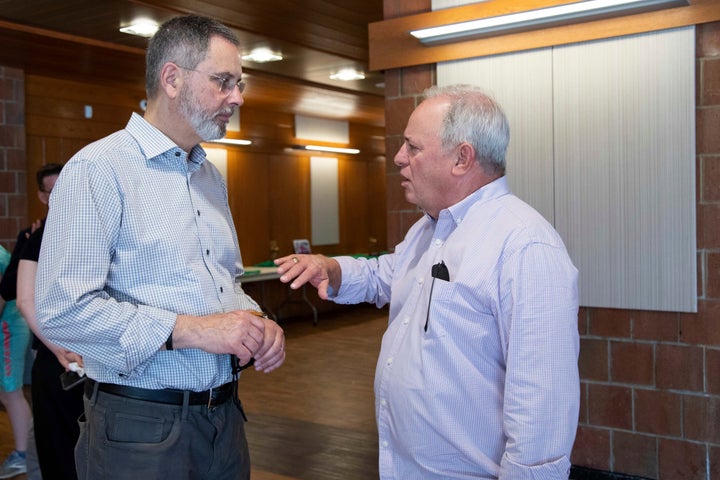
x=13, y=465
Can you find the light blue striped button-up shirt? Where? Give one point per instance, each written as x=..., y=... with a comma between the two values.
x=138, y=232
x=491, y=389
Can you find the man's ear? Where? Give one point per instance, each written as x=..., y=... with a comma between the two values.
x=170, y=79
x=465, y=158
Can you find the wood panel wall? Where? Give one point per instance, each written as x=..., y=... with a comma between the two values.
x=269, y=185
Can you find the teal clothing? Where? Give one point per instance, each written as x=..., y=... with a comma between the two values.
x=14, y=339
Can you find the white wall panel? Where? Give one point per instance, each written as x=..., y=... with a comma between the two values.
x=324, y=207
x=522, y=84
x=625, y=157
x=603, y=145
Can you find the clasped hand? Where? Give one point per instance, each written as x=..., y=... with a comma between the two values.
x=240, y=332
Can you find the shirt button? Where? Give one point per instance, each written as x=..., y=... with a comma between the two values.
x=383, y=403
x=406, y=320
x=438, y=241
x=207, y=252
x=222, y=290
x=420, y=280
x=389, y=361
x=384, y=443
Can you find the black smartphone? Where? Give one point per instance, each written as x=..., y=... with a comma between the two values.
x=70, y=380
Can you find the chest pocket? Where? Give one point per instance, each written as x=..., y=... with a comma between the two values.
x=454, y=311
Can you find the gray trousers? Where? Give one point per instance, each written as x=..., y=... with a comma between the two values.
x=127, y=439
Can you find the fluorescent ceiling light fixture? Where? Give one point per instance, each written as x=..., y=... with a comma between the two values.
x=262, y=55
x=231, y=141
x=544, y=17
x=320, y=148
x=347, y=74
x=141, y=27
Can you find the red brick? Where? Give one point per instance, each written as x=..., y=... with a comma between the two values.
x=713, y=276
x=714, y=462
x=392, y=147
x=681, y=460
x=632, y=363
x=17, y=206
x=10, y=228
x=635, y=454
x=16, y=160
x=658, y=412
x=12, y=136
x=416, y=79
x=710, y=171
x=583, y=320
x=8, y=182
x=593, y=361
x=610, y=406
x=703, y=327
x=657, y=326
x=583, y=414
x=6, y=92
x=707, y=128
x=592, y=448
x=679, y=367
x=608, y=322
x=712, y=366
x=711, y=81
x=709, y=226
x=15, y=114
x=700, y=260
x=700, y=418
x=397, y=113
x=708, y=39
x=392, y=82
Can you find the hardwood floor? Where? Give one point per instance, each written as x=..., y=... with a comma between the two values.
x=312, y=419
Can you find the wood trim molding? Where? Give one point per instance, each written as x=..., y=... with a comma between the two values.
x=392, y=46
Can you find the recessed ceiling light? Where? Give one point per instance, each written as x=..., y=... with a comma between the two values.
x=347, y=74
x=141, y=27
x=262, y=55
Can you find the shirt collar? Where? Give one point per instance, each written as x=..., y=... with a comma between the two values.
x=154, y=143
x=496, y=188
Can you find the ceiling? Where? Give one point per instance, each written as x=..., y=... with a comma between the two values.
x=79, y=39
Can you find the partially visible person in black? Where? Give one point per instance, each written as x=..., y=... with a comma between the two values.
x=55, y=410
x=46, y=177
x=23, y=458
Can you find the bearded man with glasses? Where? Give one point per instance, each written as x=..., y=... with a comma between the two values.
x=150, y=297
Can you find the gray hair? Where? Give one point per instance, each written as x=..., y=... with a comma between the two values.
x=476, y=118
x=184, y=41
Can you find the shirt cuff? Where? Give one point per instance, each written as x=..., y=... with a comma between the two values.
x=554, y=470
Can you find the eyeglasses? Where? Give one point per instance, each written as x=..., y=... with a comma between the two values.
x=226, y=84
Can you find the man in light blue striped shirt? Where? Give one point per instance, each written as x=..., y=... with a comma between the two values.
x=139, y=273
x=477, y=375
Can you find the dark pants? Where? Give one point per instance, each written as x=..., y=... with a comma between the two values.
x=127, y=439
x=55, y=415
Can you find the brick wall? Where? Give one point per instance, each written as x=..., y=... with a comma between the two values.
x=650, y=393
x=13, y=204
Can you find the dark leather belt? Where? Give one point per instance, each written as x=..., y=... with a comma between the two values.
x=210, y=398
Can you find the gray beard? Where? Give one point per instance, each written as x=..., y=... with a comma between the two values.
x=201, y=122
